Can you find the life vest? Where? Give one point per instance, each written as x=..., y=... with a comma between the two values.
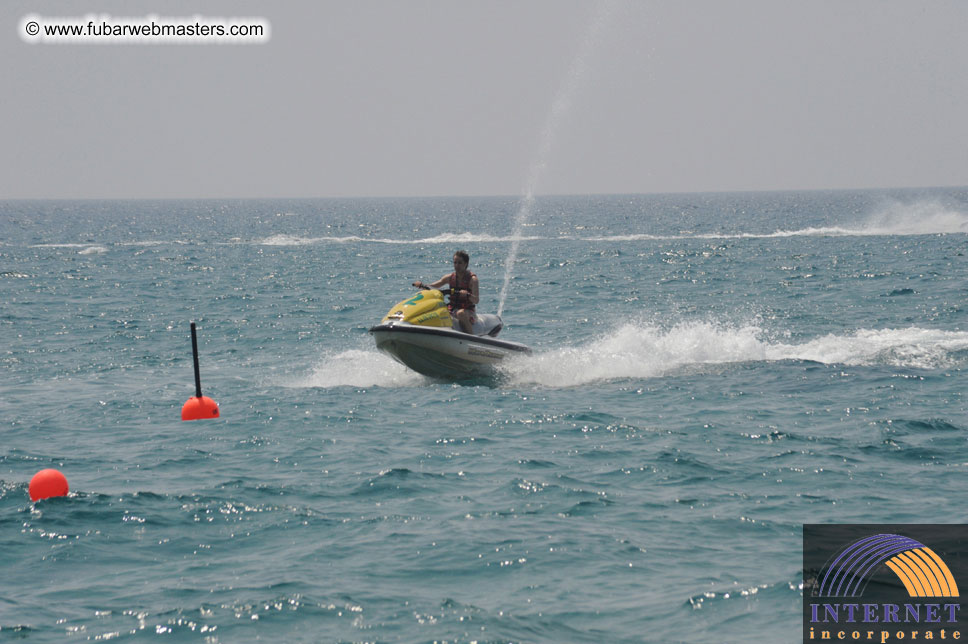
x=458, y=302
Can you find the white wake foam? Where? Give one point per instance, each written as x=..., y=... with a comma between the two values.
x=912, y=347
x=356, y=368
x=643, y=351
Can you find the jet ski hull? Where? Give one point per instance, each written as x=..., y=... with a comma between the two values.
x=443, y=353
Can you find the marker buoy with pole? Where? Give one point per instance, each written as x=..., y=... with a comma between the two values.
x=198, y=407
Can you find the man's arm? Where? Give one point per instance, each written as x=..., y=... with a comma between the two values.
x=475, y=291
x=443, y=280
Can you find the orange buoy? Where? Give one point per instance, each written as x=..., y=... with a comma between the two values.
x=46, y=484
x=198, y=407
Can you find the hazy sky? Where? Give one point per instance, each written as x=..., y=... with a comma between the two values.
x=447, y=97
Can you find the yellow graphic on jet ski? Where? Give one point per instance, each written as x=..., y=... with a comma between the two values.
x=426, y=308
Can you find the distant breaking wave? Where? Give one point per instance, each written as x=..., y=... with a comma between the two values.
x=956, y=224
x=894, y=219
x=445, y=238
x=635, y=351
x=84, y=249
x=923, y=218
x=88, y=245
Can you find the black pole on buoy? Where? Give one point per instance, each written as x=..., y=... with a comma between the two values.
x=198, y=407
x=198, y=378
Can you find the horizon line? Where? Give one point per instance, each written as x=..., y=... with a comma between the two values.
x=487, y=196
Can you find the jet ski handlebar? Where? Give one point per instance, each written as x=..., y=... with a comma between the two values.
x=423, y=287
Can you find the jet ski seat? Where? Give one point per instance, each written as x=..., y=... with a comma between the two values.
x=484, y=324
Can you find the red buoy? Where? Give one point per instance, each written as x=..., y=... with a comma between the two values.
x=46, y=484
x=198, y=407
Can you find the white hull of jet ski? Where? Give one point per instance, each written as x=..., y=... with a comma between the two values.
x=420, y=333
x=443, y=353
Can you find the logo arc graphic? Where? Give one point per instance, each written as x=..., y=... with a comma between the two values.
x=920, y=569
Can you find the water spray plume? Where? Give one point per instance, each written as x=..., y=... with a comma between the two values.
x=559, y=109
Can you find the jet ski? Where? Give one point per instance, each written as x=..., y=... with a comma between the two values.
x=421, y=334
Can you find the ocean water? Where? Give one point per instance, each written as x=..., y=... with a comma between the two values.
x=709, y=373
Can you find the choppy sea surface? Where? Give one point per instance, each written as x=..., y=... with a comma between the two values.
x=709, y=373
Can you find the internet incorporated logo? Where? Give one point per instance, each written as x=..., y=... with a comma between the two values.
x=909, y=591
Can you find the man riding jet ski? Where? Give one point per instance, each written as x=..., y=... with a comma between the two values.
x=445, y=341
x=464, y=291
